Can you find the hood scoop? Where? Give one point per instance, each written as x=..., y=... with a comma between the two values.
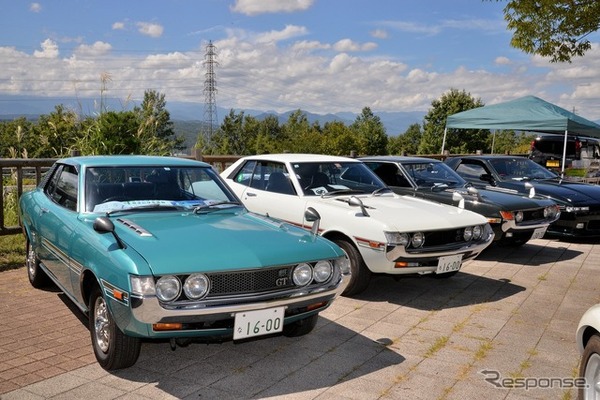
x=134, y=227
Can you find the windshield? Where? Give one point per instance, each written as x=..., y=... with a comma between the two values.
x=520, y=168
x=433, y=174
x=124, y=187
x=330, y=178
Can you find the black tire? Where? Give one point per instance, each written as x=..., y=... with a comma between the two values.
x=360, y=273
x=301, y=327
x=113, y=349
x=589, y=368
x=37, y=276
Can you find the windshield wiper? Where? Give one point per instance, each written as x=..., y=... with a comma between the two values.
x=379, y=191
x=342, y=191
x=215, y=206
x=148, y=207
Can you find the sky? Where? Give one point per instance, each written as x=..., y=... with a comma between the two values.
x=321, y=56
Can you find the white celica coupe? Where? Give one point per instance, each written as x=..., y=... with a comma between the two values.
x=381, y=232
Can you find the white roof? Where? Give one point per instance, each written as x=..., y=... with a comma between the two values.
x=298, y=157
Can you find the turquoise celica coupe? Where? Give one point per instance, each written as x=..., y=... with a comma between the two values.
x=160, y=248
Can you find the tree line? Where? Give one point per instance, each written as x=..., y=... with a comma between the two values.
x=148, y=129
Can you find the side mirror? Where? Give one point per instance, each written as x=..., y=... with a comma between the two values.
x=472, y=190
x=312, y=215
x=487, y=178
x=105, y=225
x=356, y=202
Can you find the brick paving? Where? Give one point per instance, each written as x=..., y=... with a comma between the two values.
x=512, y=311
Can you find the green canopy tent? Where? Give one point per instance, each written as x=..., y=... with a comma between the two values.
x=527, y=113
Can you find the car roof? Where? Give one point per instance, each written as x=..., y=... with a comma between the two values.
x=128, y=160
x=400, y=159
x=488, y=157
x=300, y=157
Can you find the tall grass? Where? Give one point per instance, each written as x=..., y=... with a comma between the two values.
x=12, y=247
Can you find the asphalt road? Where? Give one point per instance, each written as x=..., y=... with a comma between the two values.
x=507, y=319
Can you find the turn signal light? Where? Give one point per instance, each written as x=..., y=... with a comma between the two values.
x=168, y=327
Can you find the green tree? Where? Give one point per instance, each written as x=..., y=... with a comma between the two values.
x=57, y=133
x=110, y=133
x=457, y=141
x=339, y=139
x=293, y=130
x=552, y=28
x=270, y=136
x=17, y=139
x=156, y=128
x=406, y=143
x=370, y=130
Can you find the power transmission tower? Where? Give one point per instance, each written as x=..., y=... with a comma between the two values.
x=210, y=92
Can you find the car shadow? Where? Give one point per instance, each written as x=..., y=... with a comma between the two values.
x=269, y=367
x=530, y=254
x=424, y=292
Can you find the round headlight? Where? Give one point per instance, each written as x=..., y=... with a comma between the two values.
x=468, y=233
x=322, y=271
x=196, y=286
x=397, y=238
x=519, y=216
x=168, y=288
x=477, y=232
x=418, y=239
x=302, y=274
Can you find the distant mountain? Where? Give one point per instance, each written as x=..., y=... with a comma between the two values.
x=12, y=107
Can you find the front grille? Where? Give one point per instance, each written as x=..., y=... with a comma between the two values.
x=241, y=282
x=441, y=238
x=533, y=215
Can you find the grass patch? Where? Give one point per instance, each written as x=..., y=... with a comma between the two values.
x=12, y=247
x=436, y=346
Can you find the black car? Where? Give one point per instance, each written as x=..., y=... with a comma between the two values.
x=579, y=202
x=514, y=218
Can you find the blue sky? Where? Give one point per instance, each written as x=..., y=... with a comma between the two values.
x=317, y=55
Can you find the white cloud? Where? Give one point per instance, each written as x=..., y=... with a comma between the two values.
x=256, y=7
x=35, y=7
x=347, y=45
x=118, y=25
x=49, y=50
x=501, y=60
x=288, y=32
x=379, y=34
x=150, y=29
x=97, y=49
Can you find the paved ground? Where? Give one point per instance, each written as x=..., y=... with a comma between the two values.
x=511, y=312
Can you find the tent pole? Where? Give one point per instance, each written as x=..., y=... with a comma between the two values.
x=493, y=140
x=444, y=140
x=564, y=159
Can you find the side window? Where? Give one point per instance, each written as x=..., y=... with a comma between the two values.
x=246, y=174
x=62, y=187
x=471, y=171
x=278, y=178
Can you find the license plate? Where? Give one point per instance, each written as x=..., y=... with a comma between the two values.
x=552, y=163
x=260, y=322
x=539, y=233
x=449, y=264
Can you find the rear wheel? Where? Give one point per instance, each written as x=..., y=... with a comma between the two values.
x=113, y=349
x=360, y=273
x=37, y=277
x=301, y=327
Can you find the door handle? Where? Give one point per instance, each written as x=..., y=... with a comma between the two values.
x=250, y=194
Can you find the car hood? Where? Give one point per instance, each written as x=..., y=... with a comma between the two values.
x=511, y=201
x=569, y=192
x=223, y=240
x=401, y=213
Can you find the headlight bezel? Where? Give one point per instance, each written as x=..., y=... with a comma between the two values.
x=302, y=275
x=170, y=284
x=190, y=279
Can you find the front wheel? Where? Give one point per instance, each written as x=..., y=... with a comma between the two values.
x=360, y=275
x=590, y=369
x=301, y=327
x=37, y=277
x=113, y=349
